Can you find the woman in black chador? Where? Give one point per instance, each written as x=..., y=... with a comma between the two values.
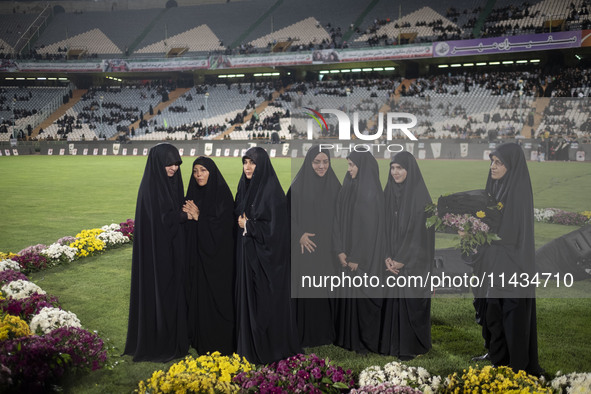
x=266, y=329
x=157, y=328
x=210, y=248
x=358, y=243
x=510, y=313
x=410, y=248
x=312, y=197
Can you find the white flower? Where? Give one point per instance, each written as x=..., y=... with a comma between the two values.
x=59, y=252
x=112, y=237
x=371, y=376
x=9, y=264
x=111, y=227
x=573, y=382
x=48, y=319
x=19, y=289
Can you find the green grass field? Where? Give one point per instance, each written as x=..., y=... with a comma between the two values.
x=44, y=198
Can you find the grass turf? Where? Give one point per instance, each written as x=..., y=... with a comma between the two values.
x=45, y=198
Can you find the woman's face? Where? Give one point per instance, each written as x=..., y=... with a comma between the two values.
x=171, y=170
x=497, y=168
x=248, y=166
x=352, y=169
x=320, y=164
x=201, y=174
x=398, y=173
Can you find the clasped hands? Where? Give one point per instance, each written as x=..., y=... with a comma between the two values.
x=344, y=263
x=393, y=266
x=191, y=210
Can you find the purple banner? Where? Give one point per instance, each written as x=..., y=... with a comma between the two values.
x=528, y=42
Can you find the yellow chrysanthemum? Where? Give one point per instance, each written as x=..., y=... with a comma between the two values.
x=480, y=214
x=13, y=327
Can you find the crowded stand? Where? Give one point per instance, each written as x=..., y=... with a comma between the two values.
x=227, y=28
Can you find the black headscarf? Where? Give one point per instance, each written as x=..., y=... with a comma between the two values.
x=210, y=247
x=408, y=240
x=516, y=228
x=157, y=328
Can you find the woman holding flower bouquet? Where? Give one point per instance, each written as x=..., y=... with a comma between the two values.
x=157, y=327
x=510, y=311
x=410, y=249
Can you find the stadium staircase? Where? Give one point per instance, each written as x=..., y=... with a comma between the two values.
x=172, y=97
x=61, y=111
x=477, y=30
x=258, y=110
x=373, y=122
x=539, y=105
x=359, y=20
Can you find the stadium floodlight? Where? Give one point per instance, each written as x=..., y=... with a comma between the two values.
x=468, y=64
x=52, y=79
x=494, y=63
x=222, y=76
x=508, y=62
x=378, y=68
x=443, y=66
x=9, y=78
x=20, y=79
x=521, y=61
x=335, y=71
x=356, y=70
x=275, y=74
x=323, y=71
x=481, y=64
x=456, y=65
x=534, y=61
x=389, y=68
x=345, y=70
x=257, y=74
x=578, y=57
x=366, y=69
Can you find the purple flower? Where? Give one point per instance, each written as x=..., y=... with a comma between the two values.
x=25, y=308
x=316, y=374
x=11, y=275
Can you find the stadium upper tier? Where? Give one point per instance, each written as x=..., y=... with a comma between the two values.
x=462, y=105
x=280, y=25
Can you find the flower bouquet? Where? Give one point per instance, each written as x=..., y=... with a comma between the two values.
x=474, y=213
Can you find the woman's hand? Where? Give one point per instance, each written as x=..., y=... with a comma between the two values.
x=191, y=209
x=242, y=219
x=393, y=266
x=343, y=259
x=353, y=266
x=306, y=242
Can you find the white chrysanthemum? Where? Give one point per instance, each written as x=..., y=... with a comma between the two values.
x=48, y=319
x=9, y=264
x=111, y=227
x=60, y=252
x=112, y=238
x=572, y=383
x=19, y=289
x=371, y=376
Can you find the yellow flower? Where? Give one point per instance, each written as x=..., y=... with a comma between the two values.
x=500, y=205
x=480, y=214
x=13, y=327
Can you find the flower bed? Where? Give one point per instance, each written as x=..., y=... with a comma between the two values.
x=39, y=341
x=559, y=216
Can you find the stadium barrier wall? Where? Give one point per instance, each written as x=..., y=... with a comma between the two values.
x=427, y=149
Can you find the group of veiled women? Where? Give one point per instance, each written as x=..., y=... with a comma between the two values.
x=215, y=274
